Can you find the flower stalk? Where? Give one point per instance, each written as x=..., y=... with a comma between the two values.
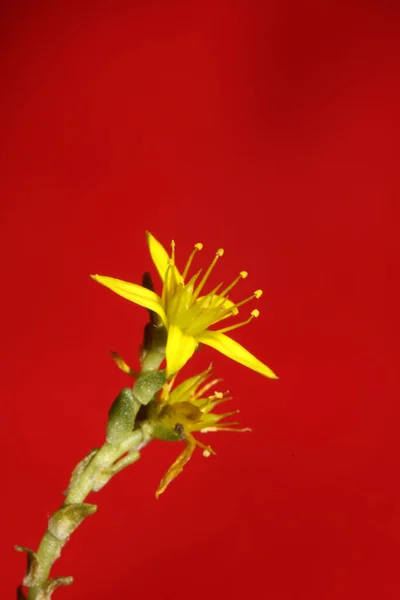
x=124, y=440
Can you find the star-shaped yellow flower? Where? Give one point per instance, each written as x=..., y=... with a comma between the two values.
x=186, y=313
x=187, y=409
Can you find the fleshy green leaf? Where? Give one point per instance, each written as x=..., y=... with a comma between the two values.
x=148, y=384
x=121, y=417
x=33, y=567
x=67, y=519
x=51, y=585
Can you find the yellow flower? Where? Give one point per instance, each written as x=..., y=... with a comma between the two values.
x=183, y=411
x=185, y=313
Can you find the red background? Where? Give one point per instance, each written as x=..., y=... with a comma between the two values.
x=268, y=128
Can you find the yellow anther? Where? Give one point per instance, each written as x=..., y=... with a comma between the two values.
x=218, y=395
x=206, y=453
x=255, y=313
x=258, y=293
x=220, y=252
x=243, y=274
x=198, y=246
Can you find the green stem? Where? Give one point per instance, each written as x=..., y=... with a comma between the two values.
x=90, y=475
x=51, y=545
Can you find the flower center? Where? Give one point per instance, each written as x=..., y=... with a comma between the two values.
x=193, y=313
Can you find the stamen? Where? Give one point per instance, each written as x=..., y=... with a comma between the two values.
x=224, y=395
x=242, y=275
x=211, y=404
x=197, y=247
x=199, y=393
x=173, y=251
x=254, y=314
x=207, y=450
x=219, y=253
x=257, y=294
x=166, y=389
x=222, y=428
x=233, y=310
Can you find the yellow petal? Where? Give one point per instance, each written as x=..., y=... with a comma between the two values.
x=134, y=293
x=177, y=466
x=158, y=254
x=187, y=388
x=180, y=348
x=232, y=349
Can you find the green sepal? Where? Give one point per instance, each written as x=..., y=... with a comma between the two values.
x=121, y=417
x=164, y=432
x=32, y=575
x=67, y=519
x=148, y=384
x=51, y=585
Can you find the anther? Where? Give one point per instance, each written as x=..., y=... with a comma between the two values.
x=258, y=293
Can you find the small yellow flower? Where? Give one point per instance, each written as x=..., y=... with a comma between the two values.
x=186, y=313
x=183, y=411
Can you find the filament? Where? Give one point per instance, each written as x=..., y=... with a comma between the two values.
x=242, y=275
x=196, y=248
x=218, y=254
x=254, y=314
